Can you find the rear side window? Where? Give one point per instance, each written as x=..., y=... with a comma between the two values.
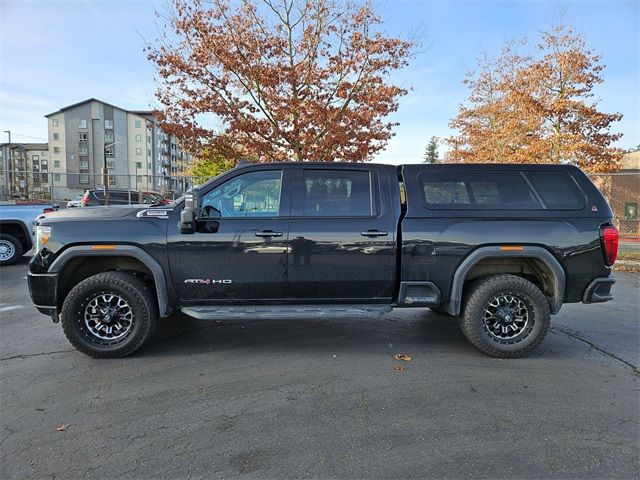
x=558, y=190
x=476, y=189
x=337, y=193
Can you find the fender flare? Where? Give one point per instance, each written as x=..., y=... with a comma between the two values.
x=121, y=251
x=24, y=228
x=454, y=305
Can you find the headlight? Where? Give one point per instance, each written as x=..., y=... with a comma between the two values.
x=43, y=233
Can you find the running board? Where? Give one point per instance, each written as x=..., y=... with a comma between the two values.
x=276, y=312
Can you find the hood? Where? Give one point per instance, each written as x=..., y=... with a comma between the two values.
x=97, y=213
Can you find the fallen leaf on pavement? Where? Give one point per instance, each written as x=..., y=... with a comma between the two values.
x=62, y=428
x=399, y=368
x=403, y=357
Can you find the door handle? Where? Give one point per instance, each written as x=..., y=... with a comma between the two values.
x=374, y=233
x=268, y=233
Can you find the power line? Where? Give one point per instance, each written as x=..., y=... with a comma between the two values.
x=27, y=136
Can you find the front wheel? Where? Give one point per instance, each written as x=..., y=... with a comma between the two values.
x=505, y=316
x=109, y=315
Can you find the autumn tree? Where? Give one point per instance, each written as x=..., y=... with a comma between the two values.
x=431, y=151
x=537, y=107
x=288, y=79
x=220, y=155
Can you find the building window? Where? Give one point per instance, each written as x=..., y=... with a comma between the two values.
x=138, y=123
x=82, y=124
x=138, y=165
x=138, y=151
x=108, y=124
x=148, y=139
x=83, y=151
x=138, y=137
x=56, y=164
x=111, y=164
x=35, y=157
x=110, y=151
x=84, y=179
x=44, y=154
x=56, y=150
x=108, y=137
x=139, y=179
x=56, y=136
x=54, y=122
x=112, y=179
x=82, y=137
x=84, y=165
x=631, y=211
x=148, y=153
x=56, y=177
x=148, y=166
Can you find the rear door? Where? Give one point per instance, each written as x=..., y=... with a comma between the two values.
x=342, y=234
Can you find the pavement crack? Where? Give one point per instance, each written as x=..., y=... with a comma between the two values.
x=572, y=334
x=29, y=355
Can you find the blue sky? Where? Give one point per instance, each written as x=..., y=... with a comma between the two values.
x=57, y=53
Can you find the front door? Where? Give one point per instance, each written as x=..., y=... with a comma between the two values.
x=239, y=252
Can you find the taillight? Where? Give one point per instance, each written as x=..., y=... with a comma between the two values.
x=85, y=200
x=609, y=236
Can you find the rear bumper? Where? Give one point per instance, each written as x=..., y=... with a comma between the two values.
x=43, y=291
x=599, y=290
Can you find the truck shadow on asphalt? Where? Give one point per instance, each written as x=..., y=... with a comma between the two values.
x=180, y=335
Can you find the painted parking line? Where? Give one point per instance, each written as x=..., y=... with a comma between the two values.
x=8, y=308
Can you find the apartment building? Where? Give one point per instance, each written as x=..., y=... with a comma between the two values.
x=83, y=135
x=25, y=170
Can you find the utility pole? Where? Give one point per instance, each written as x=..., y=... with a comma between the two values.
x=7, y=167
x=105, y=172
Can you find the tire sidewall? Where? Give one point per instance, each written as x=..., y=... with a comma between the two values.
x=73, y=319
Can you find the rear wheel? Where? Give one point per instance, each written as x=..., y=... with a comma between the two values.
x=109, y=315
x=505, y=316
x=10, y=249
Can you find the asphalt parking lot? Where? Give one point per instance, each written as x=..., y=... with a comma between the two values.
x=321, y=399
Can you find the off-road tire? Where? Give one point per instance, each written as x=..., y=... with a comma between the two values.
x=477, y=300
x=18, y=251
x=138, y=295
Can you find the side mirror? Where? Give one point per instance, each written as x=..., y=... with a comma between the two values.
x=188, y=216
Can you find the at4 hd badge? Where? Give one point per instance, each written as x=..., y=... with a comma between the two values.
x=206, y=281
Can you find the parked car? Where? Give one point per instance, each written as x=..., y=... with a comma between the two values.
x=95, y=196
x=76, y=202
x=501, y=247
x=16, y=229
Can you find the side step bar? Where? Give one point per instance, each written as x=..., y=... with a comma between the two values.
x=275, y=312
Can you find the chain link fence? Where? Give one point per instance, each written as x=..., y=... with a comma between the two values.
x=60, y=188
x=621, y=189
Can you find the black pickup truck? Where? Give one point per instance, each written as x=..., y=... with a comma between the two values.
x=500, y=247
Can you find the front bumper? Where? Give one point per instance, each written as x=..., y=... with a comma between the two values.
x=43, y=289
x=599, y=290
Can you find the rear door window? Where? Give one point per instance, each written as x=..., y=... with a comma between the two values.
x=476, y=189
x=337, y=193
x=557, y=189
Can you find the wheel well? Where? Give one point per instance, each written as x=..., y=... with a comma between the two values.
x=80, y=268
x=532, y=269
x=17, y=230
